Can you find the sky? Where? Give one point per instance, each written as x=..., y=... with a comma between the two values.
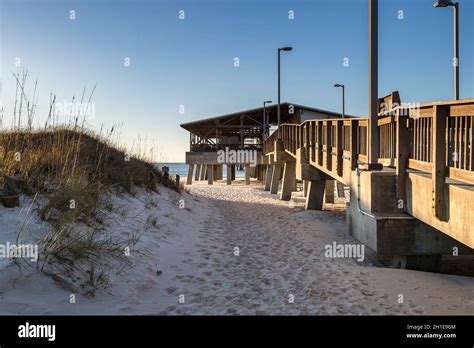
x=183, y=69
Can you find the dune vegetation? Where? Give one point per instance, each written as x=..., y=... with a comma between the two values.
x=68, y=172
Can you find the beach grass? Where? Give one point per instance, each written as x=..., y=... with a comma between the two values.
x=69, y=172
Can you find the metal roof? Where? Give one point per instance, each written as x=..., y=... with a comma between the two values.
x=258, y=112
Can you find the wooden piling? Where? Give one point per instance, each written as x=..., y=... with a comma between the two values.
x=275, y=179
x=315, y=197
x=247, y=174
x=268, y=177
x=189, y=179
x=198, y=172
x=289, y=180
x=229, y=174
x=210, y=174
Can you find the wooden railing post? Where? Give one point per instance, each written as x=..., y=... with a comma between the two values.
x=402, y=150
x=438, y=177
x=328, y=145
x=292, y=138
x=320, y=143
x=302, y=140
x=339, y=149
x=354, y=149
x=307, y=139
x=296, y=131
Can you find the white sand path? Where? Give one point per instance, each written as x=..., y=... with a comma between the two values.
x=281, y=256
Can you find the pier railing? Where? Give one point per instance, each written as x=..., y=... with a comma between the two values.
x=436, y=138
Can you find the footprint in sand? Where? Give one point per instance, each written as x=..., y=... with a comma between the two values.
x=171, y=290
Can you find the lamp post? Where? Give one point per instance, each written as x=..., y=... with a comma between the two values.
x=286, y=49
x=373, y=131
x=265, y=122
x=455, y=6
x=343, y=98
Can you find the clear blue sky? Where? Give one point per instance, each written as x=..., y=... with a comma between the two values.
x=190, y=62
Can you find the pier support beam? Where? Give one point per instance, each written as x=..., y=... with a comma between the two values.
x=232, y=167
x=305, y=188
x=253, y=171
x=289, y=181
x=210, y=174
x=198, y=172
x=189, y=179
x=220, y=172
x=229, y=174
x=203, y=171
x=315, y=197
x=329, y=191
x=217, y=172
x=261, y=173
x=275, y=179
x=247, y=174
x=268, y=177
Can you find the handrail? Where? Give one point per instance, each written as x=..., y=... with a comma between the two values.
x=406, y=138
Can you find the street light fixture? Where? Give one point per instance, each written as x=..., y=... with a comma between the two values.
x=441, y=3
x=343, y=98
x=265, y=121
x=455, y=6
x=286, y=49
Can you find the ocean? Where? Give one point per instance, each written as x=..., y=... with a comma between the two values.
x=182, y=169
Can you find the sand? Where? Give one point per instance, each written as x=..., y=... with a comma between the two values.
x=188, y=263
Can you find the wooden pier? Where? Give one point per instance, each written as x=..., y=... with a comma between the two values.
x=418, y=202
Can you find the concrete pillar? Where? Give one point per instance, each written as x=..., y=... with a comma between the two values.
x=329, y=191
x=247, y=174
x=189, y=179
x=275, y=179
x=315, y=197
x=305, y=188
x=198, y=172
x=203, y=171
x=289, y=181
x=229, y=174
x=268, y=177
x=210, y=174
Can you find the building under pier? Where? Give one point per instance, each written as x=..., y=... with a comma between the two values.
x=240, y=131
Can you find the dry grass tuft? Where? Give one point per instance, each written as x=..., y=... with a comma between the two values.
x=74, y=168
x=44, y=160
